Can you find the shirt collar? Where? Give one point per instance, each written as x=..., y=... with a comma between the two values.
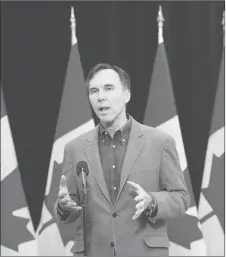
x=124, y=130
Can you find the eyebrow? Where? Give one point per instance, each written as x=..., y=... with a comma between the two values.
x=92, y=88
x=109, y=85
x=105, y=85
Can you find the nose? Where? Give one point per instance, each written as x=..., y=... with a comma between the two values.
x=101, y=95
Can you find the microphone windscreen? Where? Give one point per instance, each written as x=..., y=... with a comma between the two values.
x=82, y=165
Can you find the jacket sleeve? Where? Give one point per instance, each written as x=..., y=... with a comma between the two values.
x=173, y=200
x=72, y=183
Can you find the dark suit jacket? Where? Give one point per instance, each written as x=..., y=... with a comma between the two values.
x=151, y=160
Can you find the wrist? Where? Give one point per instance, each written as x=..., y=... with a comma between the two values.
x=152, y=209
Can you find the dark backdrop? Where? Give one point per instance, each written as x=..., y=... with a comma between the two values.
x=36, y=42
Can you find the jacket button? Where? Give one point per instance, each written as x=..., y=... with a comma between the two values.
x=112, y=244
x=114, y=214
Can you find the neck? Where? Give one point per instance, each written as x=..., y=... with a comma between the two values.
x=115, y=125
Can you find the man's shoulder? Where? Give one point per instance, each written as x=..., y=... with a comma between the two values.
x=79, y=140
x=155, y=133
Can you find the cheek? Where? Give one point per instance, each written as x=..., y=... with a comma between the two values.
x=92, y=101
x=117, y=99
x=119, y=103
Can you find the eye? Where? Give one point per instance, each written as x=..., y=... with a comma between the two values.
x=93, y=90
x=109, y=87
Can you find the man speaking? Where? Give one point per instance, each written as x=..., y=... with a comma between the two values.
x=134, y=184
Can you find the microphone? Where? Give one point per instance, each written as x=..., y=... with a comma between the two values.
x=83, y=170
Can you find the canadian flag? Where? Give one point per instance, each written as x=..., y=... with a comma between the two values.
x=212, y=201
x=74, y=119
x=17, y=232
x=184, y=233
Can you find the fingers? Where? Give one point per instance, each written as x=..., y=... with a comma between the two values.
x=140, y=205
x=137, y=214
x=138, y=198
x=73, y=205
x=65, y=200
x=135, y=186
x=76, y=207
x=68, y=204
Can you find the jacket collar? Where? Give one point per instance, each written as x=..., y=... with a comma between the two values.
x=135, y=143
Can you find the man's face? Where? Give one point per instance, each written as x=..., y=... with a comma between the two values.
x=107, y=95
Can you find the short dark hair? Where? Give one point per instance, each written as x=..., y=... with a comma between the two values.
x=123, y=75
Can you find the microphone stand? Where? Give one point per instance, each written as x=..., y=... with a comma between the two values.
x=84, y=212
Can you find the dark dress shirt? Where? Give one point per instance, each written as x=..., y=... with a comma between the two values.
x=112, y=151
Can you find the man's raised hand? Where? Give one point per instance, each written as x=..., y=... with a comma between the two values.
x=64, y=199
x=142, y=198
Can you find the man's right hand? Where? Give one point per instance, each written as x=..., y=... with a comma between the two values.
x=64, y=199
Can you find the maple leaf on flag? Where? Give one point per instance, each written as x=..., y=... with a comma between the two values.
x=216, y=185
x=187, y=226
x=188, y=223
x=13, y=229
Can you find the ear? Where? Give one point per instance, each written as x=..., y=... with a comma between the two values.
x=127, y=96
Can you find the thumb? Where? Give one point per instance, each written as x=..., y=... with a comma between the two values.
x=63, y=182
x=63, y=185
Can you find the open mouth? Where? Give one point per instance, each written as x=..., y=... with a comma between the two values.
x=103, y=109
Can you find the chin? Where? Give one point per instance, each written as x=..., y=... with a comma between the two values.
x=106, y=119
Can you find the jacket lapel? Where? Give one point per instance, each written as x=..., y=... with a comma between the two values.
x=135, y=143
x=93, y=156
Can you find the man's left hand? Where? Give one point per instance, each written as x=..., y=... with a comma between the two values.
x=143, y=199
